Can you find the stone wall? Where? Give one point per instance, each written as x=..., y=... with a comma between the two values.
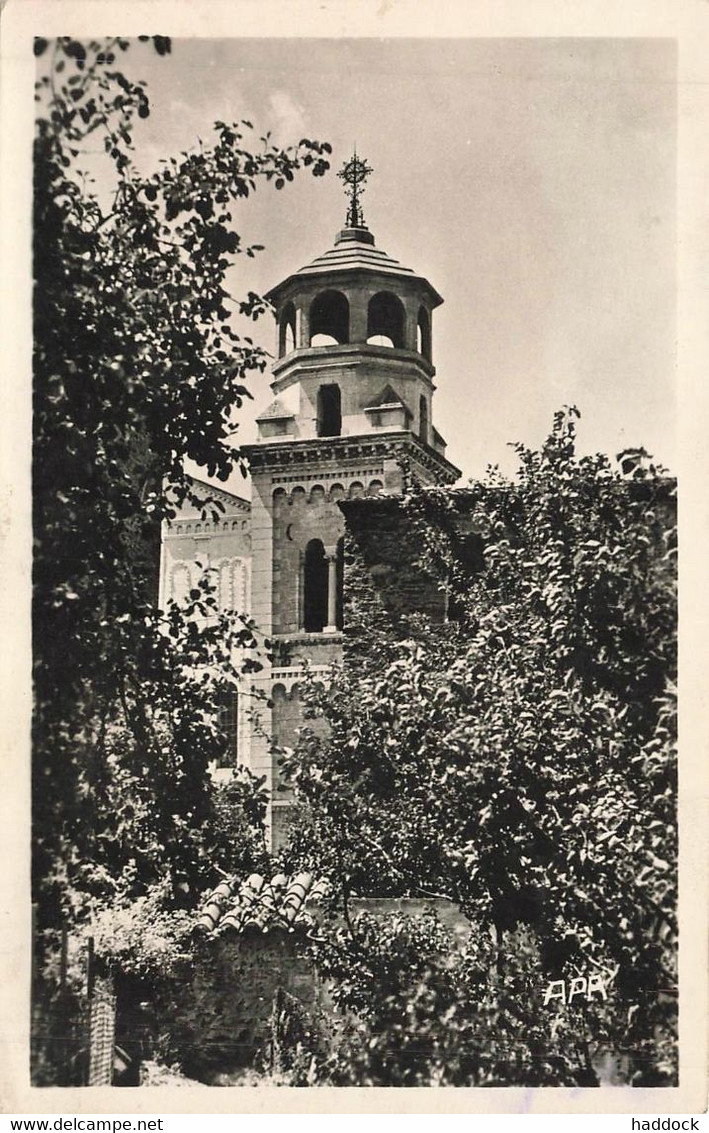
x=218, y=1021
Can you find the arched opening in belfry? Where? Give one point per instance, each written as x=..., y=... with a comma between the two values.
x=423, y=333
x=329, y=319
x=340, y=583
x=286, y=330
x=423, y=419
x=315, y=572
x=385, y=320
x=329, y=423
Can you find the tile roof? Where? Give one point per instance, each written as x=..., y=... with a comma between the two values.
x=260, y=904
x=386, y=397
x=211, y=491
x=276, y=411
x=354, y=254
x=354, y=250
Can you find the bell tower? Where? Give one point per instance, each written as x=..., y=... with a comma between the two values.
x=353, y=387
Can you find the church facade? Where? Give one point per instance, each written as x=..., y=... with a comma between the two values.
x=353, y=386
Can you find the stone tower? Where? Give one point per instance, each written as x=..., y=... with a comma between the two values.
x=353, y=386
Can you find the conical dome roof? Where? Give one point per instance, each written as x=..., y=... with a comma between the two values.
x=354, y=250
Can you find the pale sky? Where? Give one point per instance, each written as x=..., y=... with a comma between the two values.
x=532, y=181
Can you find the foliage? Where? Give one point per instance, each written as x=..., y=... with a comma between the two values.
x=239, y=813
x=437, y=1015
x=153, y=1073
x=138, y=364
x=296, y=1043
x=57, y=1036
x=145, y=938
x=521, y=762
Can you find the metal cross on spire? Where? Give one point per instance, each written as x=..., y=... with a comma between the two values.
x=354, y=173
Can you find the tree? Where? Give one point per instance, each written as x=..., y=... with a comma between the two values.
x=138, y=364
x=521, y=761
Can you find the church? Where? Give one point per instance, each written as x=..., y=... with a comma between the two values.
x=353, y=386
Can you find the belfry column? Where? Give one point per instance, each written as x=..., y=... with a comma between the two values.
x=331, y=626
x=302, y=327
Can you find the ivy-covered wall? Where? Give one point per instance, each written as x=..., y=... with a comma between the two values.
x=384, y=583
x=216, y=1018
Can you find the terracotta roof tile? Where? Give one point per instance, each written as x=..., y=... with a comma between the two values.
x=260, y=904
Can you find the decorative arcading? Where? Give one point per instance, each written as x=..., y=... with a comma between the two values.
x=287, y=682
x=321, y=475
x=314, y=493
x=202, y=527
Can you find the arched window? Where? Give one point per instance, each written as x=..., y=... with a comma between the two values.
x=181, y=583
x=315, y=588
x=286, y=330
x=423, y=333
x=423, y=419
x=226, y=592
x=340, y=582
x=329, y=411
x=329, y=319
x=385, y=320
x=238, y=586
x=228, y=709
